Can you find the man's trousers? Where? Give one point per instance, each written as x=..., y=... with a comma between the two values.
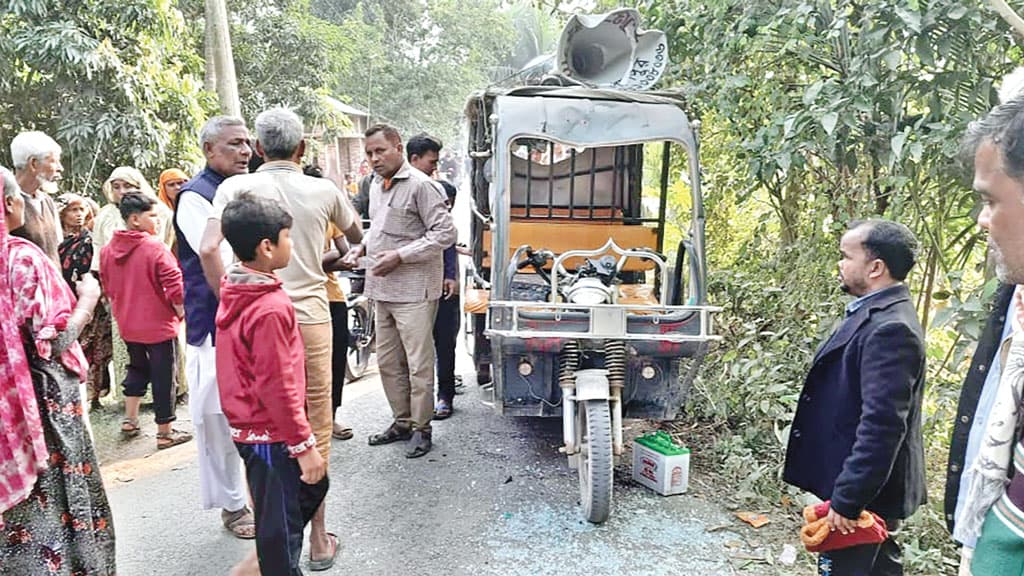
x=405, y=358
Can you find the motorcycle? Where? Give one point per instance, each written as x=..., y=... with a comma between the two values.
x=361, y=335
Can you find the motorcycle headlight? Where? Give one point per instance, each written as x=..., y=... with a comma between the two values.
x=589, y=291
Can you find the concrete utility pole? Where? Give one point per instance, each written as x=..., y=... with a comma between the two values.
x=223, y=61
x=1008, y=14
x=210, y=78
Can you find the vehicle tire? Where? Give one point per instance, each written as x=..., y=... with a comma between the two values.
x=360, y=344
x=593, y=423
x=358, y=361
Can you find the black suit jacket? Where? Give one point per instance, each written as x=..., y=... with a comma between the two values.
x=856, y=438
x=969, y=395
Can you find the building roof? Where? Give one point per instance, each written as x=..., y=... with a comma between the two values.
x=345, y=108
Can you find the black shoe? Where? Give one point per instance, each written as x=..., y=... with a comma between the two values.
x=418, y=445
x=394, y=433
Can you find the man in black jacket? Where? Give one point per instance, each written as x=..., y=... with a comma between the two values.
x=856, y=439
x=996, y=146
x=976, y=399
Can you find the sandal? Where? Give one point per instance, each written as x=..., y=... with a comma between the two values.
x=325, y=563
x=165, y=440
x=130, y=427
x=443, y=409
x=394, y=433
x=341, y=431
x=419, y=445
x=241, y=522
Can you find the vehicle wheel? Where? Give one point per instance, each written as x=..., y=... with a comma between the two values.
x=360, y=344
x=355, y=366
x=593, y=425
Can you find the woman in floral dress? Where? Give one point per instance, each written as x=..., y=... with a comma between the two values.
x=54, y=514
x=75, y=253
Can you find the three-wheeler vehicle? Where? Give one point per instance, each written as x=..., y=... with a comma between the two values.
x=588, y=288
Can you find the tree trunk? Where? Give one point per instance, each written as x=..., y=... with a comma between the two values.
x=789, y=211
x=224, y=62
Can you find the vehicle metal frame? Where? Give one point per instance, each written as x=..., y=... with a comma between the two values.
x=584, y=118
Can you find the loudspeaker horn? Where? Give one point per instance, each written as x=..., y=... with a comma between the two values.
x=611, y=51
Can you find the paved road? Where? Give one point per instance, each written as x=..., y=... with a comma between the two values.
x=494, y=497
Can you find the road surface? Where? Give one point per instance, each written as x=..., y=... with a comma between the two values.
x=493, y=497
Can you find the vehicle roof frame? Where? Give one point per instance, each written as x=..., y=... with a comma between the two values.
x=581, y=117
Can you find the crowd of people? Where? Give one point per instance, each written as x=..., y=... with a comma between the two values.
x=224, y=282
x=239, y=261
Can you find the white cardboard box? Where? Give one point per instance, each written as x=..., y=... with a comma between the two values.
x=666, y=475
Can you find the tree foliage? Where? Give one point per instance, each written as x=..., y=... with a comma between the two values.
x=110, y=81
x=815, y=113
x=414, y=62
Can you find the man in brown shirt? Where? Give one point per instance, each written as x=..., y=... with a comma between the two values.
x=409, y=229
x=37, y=168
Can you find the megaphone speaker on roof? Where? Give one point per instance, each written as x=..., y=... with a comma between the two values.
x=611, y=51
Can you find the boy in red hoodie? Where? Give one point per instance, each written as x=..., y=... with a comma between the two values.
x=261, y=375
x=143, y=281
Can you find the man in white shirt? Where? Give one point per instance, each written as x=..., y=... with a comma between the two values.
x=225, y=143
x=313, y=203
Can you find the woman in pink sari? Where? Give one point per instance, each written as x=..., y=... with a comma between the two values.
x=53, y=510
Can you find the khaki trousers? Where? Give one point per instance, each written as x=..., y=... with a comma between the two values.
x=405, y=358
x=316, y=340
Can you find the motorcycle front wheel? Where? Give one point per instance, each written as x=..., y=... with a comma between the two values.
x=360, y=346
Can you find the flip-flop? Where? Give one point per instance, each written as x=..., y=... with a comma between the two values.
x=241, y=523
x=443, y=409
x=341, y=431
x=325, y=563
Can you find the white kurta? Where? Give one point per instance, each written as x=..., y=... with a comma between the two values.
x=221, y=474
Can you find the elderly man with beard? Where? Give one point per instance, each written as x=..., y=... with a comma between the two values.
x=985, y=482
x=37, y=168
x=856, y=439
x=225, y=143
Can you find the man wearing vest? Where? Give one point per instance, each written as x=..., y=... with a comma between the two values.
x=225, y=143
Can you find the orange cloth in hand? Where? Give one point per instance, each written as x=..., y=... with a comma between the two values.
x=818, y=537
